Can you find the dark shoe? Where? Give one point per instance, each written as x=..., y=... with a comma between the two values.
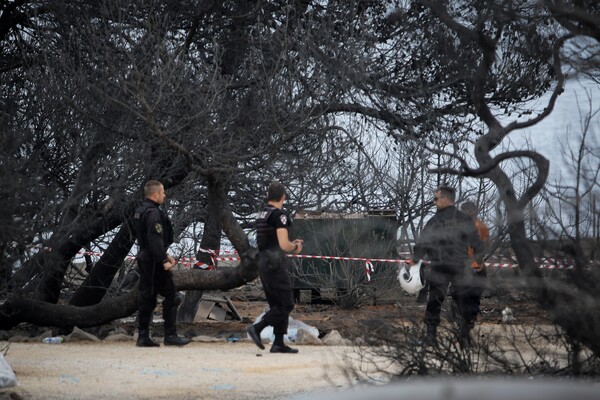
x=283, y=349
x=255, y=337
x=174, y=340
x=144, y=340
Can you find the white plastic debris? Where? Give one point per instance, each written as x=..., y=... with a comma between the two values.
x=292, y=333
x=7, y=376
x=507, y=315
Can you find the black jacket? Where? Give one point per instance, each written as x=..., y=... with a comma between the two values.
x=154, y=232
x=267, y=223
x=446, y=237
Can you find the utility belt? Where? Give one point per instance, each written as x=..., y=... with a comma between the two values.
x=271, y=258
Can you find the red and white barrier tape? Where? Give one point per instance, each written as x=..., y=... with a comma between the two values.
x=368, y=269
x=186, y=262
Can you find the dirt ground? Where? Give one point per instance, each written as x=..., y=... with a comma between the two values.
x=233, y=369
x=353, y=323
x=197, y=371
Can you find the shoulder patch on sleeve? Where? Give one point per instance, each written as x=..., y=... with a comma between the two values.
x=283, y=219
x=158, y=228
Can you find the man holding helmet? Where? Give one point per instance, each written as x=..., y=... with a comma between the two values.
x=412, y=277
x=444, y=241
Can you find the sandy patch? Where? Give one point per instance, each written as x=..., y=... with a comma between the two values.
x=197, y=371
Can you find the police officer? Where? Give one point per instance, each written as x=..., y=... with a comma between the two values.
x=154, y=233
x=444, y=241
x=273, y=242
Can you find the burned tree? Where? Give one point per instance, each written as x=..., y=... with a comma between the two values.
x=213, y=99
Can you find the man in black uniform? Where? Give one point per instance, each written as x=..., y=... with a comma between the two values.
x=154, y=233
x=273, y=242
x=444, y=241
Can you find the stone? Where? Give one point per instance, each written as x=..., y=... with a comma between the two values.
x=78, y=336
x=305, y=338
x=333, y=338
x=118, y=337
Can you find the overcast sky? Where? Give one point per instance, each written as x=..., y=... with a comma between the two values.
x=549, y=136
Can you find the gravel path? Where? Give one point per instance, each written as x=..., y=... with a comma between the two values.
x=119, y=370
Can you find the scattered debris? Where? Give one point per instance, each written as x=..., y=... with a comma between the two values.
x=210, y=307
x=333, y=338
x=306, y=338
x=507, y=315
x=78, y=336
x=294, y=326
x=7, y=376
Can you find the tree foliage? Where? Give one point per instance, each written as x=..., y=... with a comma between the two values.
x=216, y=99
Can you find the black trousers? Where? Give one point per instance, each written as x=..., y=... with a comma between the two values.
x=478, y=285
x=278, y=290
x=154, y=280
x=461, y=277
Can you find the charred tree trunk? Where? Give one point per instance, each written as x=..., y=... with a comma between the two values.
x=211, y=239
x=223, y=279
x=55, y=262
x=45, y=271
x=18, y=309
x=50, y=266
x=248, y=269
x=93, y=289
x=21, y=309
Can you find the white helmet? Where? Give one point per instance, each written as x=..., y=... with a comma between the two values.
x=412, y=278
